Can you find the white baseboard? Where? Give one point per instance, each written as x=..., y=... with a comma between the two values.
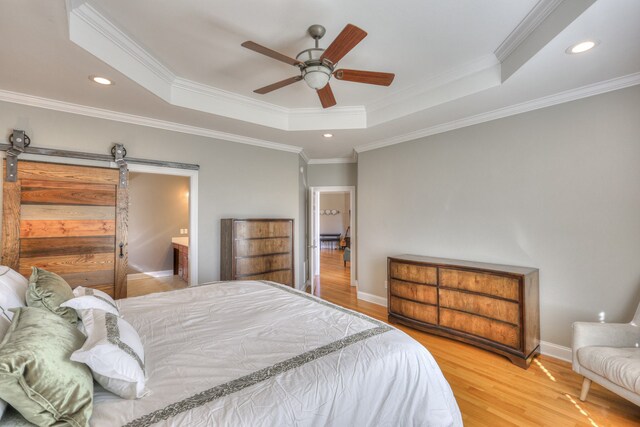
x=148, y=274
x=372, y=298
x=555, y=350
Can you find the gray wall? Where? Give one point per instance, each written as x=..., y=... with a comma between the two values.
x=557, y=189
x=158, y=209
x=334, y=224
x=235, y=180
x=333, y=174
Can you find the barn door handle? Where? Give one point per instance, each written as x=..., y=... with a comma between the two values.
x=121, y=253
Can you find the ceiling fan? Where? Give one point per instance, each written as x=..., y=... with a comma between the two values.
x=317, y=65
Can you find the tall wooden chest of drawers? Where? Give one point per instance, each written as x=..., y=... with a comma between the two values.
x=257, y=249
x=495, y=307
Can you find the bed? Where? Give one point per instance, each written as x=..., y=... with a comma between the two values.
x=262, y=354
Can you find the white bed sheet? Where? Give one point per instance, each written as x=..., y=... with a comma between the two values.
x=261, y=354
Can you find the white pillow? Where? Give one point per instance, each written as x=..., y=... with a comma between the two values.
x=88, y=298
x=13, y=290
x=114, y=353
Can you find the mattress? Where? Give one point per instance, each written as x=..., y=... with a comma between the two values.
x=252, y=353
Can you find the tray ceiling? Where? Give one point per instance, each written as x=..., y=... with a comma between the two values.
x=182, y=63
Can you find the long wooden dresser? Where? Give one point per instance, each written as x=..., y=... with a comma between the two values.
x=257, y=249
x=495, y=307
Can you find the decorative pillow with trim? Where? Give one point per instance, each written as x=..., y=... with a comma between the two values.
x=48, y=290
x=38, y=377
x=88, y=298
x=13, y=290
x=114, y=353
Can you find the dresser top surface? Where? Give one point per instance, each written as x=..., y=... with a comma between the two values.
x=257, y=219
x=469, y=264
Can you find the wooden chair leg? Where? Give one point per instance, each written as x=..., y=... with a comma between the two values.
x=585, y=389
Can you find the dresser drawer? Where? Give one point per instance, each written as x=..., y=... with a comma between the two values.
x=283, y=277
x=486, y=283
x=262, y=264
x=413, y=273
x=414, y=310
x=413, y=291
x=263, y=246
x=498, y=309
x=262, y=229
x=493, y=330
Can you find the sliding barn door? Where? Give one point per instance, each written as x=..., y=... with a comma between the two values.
x=71, y=220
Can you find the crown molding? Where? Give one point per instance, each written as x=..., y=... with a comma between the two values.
x=474, y=76
x=67, y=107
x=92, y=31
x=534, y=18
x=335, y=118
x=441, y=79
x=547, y=101
x=338, y=160
x=304, y=156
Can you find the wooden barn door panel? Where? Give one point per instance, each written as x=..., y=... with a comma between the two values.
x=67, y=219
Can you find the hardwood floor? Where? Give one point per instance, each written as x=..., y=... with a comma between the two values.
x=489, y=389
x=136, y=288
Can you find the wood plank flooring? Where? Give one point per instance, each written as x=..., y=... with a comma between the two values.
x=136, y=288
x=489, y=389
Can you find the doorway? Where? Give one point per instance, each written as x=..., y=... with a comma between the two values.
x=332, y=240
x=158, y=233
x=163, y=229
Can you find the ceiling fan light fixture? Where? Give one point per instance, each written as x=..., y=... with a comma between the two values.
x=316, y=76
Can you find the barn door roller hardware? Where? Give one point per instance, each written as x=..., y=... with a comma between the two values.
x=119, y=152
x=19, y=143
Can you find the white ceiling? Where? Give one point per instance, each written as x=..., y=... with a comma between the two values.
x=200, y=40
x=423, y=42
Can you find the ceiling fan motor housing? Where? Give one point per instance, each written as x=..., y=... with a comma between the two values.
x=315, y=71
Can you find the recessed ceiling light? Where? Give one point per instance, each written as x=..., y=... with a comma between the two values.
x=582, y=46
x=328, y=135
x=101, y=80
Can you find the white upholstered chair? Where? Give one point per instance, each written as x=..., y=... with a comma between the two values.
x=609, y=354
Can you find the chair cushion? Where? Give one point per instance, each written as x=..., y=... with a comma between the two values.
x=621, y=366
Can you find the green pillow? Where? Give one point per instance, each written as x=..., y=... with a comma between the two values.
x=48, y=290
x=37, y=376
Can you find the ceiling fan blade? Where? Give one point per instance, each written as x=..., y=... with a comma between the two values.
x=270, y=53
x=326, y=96
x=368, y=77
x=346, y=40
x=278, y=85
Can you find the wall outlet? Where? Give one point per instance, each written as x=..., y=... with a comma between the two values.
x=385, y=284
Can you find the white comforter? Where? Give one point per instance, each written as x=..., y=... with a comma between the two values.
x=261, y=354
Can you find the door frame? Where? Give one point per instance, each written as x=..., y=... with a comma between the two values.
x=314, y=229
x=193, y=209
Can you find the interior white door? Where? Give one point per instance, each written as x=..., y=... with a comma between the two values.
x=314, y=237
